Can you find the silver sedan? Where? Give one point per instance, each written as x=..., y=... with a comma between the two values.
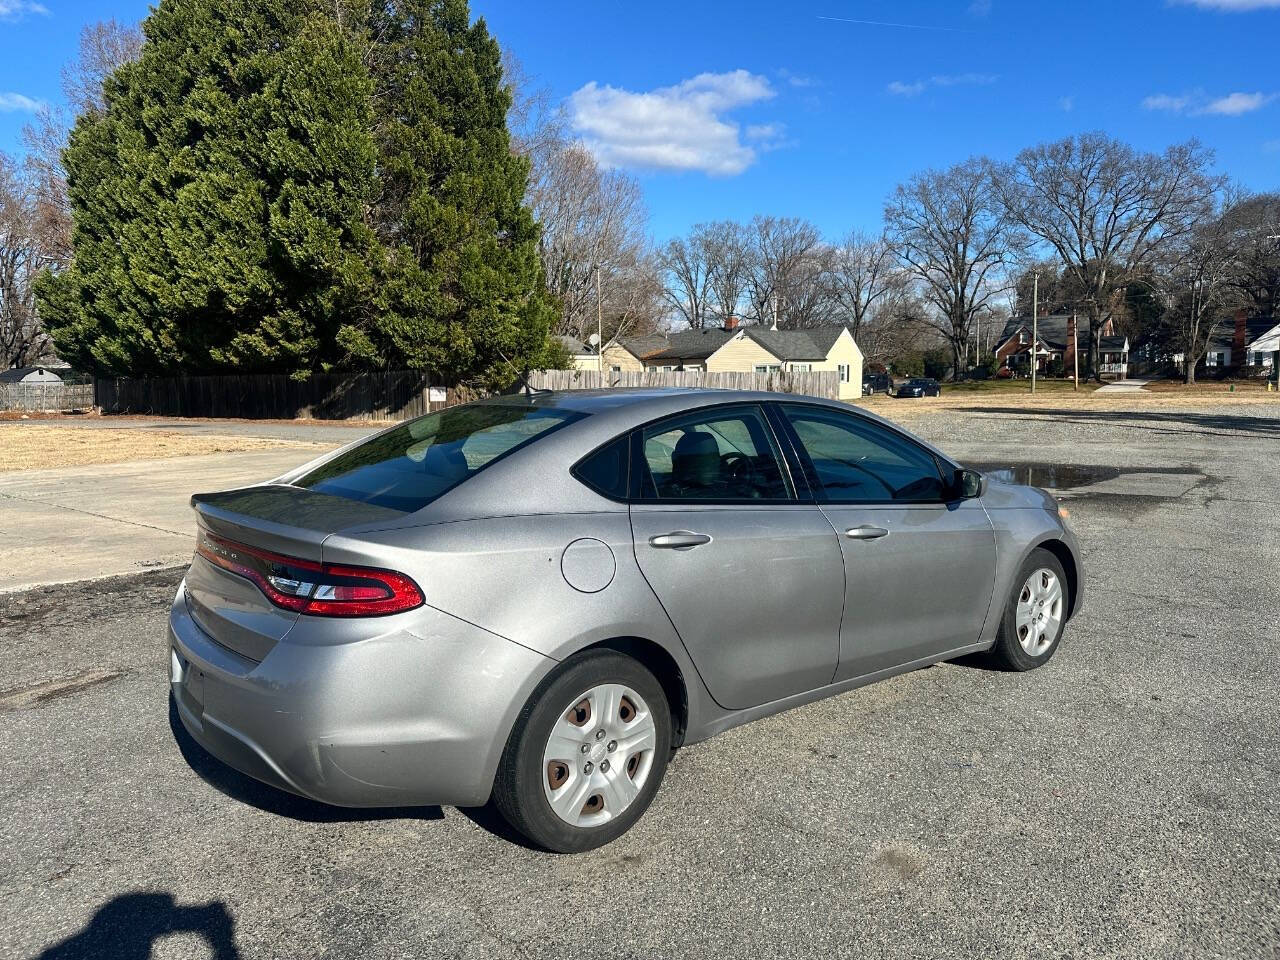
x=536, y=599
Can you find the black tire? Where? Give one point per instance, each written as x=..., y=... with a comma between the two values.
x=1008, y=652
x=518, y=787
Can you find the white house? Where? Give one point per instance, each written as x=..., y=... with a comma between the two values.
x=29, y=375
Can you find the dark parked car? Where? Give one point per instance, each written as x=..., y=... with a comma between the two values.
x=875, y=383
x=919, y=387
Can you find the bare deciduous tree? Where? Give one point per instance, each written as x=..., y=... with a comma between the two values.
x=1254, y=222
x=1198, y=280
x=789, y=259
x=1106, y=210
x=949, y=232
x=688, y=271
x=22, y=256
x=727, y=248
x=592, y=220
x=862, y=273
x=105, y=46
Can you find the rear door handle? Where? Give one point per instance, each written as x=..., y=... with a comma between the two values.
x=866, y=532
x=678, y=540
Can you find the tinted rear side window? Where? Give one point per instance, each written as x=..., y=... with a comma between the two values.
x=408, y=467
x=608, y=469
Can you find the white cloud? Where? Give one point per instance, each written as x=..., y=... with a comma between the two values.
x=980, y=8
x=1232, y=6
x=1198, y=103
x=797, y=79
x=898, y=88
x=672, y=128
x=17, y=9
x=1234, y=104
x=1066, y=104
x=1163, y=101
x=18, y=102
x=1271, y=146
x=914, y=88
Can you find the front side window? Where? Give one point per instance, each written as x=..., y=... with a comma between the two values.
x=844, y=372
x=411, y=465
x=713, y=455
x=858, y=461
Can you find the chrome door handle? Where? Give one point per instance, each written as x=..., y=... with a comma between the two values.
x=678, y=540
x=866, y=532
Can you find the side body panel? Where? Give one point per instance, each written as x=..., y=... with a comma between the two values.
x=921, y=590
x=758, y=607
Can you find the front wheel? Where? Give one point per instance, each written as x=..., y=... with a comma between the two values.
x=1034, y=615
x=587, y=753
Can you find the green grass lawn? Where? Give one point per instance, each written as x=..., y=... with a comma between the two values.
x=1016, y=386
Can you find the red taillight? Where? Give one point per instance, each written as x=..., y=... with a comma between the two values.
x=316, y=589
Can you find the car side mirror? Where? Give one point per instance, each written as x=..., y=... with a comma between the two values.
x=969, y=484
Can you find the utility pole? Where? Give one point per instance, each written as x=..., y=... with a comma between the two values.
x=1075, y=344
x=599, y=329
x=1035, y=326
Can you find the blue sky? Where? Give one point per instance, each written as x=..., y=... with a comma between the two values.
x=817, y=108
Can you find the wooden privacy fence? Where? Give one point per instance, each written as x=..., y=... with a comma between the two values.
x=46, y=396
x=386, y=396
x=825, y=383
x=365, y=396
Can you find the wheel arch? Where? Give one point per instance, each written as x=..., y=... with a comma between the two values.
x=1070, y=566
x=657, y=660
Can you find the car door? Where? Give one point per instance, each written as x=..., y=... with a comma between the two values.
x=751, y=576
x=919, y=562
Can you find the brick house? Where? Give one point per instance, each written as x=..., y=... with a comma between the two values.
x=1058, y=336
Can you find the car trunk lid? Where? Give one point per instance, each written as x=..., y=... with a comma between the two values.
x=238, y=527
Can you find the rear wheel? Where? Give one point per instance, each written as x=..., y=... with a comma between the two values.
x=1034, y=615
x=587, y=754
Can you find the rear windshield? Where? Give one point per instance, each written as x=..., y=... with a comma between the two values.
x=408, y=467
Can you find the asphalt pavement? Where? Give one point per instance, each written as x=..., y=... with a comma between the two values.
x=1120, y=802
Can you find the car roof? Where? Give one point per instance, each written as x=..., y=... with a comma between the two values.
x=536, y=479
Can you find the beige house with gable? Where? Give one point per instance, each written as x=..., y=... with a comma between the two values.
x=738, y=349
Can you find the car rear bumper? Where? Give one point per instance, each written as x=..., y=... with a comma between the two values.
x=418, y=714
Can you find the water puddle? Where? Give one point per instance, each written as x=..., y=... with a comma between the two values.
x=1097, y=482
x=1050, y=476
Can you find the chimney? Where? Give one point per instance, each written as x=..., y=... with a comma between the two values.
x=1239, y=338
x=731, y=322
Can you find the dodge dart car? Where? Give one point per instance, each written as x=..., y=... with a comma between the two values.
x=535, y=599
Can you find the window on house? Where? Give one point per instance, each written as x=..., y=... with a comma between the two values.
x=801, y=367
x=615, y=369
x=843, y=368
x=767, y=368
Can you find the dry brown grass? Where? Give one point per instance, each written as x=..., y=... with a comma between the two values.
x=35, y=446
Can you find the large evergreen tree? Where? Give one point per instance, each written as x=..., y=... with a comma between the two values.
x=218, y=199
x=290, y=186
x=458, y=285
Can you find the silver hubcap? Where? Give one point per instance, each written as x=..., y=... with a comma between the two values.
x=1039, y=614
x=599, y=755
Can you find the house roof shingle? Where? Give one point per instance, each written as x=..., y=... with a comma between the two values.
x=811, y=344
x=574, y=345
x=644, y=347
x=692, y=344
x=17, y=374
